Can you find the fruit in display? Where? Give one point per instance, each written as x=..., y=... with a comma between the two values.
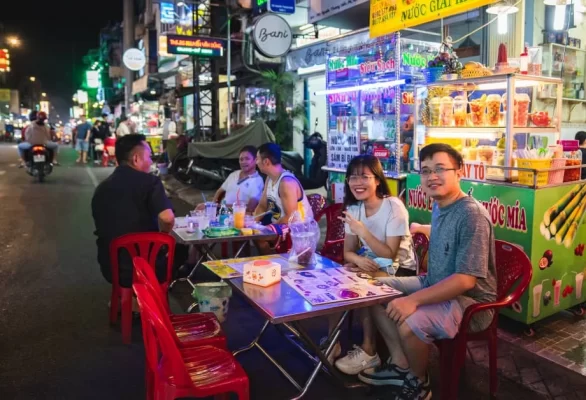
x=540, y=118
x=579, y=251
x=503, y=142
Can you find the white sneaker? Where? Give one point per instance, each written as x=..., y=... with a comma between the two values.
x=357, y=361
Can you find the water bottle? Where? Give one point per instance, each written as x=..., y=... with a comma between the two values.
x=223, y=213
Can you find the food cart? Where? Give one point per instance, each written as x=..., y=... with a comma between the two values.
x=369, y=96
x=146, y=116
x=536, y=204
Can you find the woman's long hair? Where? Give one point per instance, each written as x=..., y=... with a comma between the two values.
x=356, y=167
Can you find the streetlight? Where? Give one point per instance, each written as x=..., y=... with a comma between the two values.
x=32, y=79
x=13, y=41
x=44, y=94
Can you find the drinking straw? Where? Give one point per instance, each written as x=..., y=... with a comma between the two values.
x=203, y=197
x=238, y=196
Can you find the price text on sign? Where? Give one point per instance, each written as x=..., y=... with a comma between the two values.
x=193, y=45
x=388, y=16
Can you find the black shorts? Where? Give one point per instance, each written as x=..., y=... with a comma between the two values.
x=405, y=272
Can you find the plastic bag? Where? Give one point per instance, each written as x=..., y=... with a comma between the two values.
x=305, y=235
x=213, y=297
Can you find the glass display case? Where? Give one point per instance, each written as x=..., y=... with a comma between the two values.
x=473, y=116
x=567, y=63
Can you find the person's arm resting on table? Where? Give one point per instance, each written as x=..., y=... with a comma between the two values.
x=471, y=264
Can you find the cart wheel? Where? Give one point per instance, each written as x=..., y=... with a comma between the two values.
x=529, y=332
x=578, y=311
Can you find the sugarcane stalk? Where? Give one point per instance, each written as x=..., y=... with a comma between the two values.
x=563, y=215
x=573, y=230
x=553, y=211
x=576, y=214
x=544, y=231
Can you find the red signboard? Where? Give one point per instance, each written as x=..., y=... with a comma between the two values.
x=4, y=60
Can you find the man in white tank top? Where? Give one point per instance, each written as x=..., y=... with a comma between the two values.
x=283, y=192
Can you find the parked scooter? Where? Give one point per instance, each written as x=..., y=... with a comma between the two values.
x=39, y=162
x=317, y=176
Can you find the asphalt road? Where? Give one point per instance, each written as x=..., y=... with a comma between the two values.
x=55, y=340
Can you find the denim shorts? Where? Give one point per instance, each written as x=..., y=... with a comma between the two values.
x=82, y=145
x=436, y=321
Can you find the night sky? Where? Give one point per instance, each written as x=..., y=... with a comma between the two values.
x=55, y=36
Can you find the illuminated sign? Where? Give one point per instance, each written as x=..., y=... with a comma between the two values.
x=417, y=60
x=167, y=13
x=281, y=6
x=196, y=46
x=4, y=60
x=377, y=66
x=92, y=79
x=336, y=64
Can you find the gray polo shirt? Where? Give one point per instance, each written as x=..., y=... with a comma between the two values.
x=462, y=241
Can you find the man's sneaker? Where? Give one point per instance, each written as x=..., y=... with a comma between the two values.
x=336, y=351
x=414, y=389
x=385, y=374
x=357, y=360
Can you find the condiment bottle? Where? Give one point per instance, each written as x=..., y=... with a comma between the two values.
x=524, y=60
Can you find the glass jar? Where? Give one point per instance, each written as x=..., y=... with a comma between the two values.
x=478, y=112
x=447, y=111
x=434, y=106
x=522, y=101
x=460, y=111
x=493, y=110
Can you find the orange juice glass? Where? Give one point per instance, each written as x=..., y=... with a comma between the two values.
x=239, y=210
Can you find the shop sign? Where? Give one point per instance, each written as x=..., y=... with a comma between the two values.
x=339, y=63
x=195, y=45
x=387, y=16
x=4, y=60
x=92, y=79
x=307, y=57
x=321, y=9
x=417, y=60
x=272, y=35
x=377, y=66
x=82, y=97
x=5, y=95
x=407, y=98
x=44, y=105
x=475, y=171
x=282, y=6
x=167, y=13
x=342, y=147
x=134, y=59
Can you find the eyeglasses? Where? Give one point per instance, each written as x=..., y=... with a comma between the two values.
x=359, y=178
x=426, y=172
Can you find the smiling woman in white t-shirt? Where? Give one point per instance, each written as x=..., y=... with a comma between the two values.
x=245, y=184
x=377, y=242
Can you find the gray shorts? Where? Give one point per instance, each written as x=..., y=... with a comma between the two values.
x=437, y=321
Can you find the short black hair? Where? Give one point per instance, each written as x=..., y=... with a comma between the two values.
x=272, y=151
x=428, y=151
x=126, y=145
x=249, y=149
x=581, y=137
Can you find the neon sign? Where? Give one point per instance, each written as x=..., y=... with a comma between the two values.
x=377, y=66
x=339, y=63
x=196, y=46
x=416, y=60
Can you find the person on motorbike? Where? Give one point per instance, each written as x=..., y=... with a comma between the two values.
x=38, y=133
x=244, y=185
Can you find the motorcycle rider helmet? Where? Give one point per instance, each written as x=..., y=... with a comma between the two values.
x=32, y=116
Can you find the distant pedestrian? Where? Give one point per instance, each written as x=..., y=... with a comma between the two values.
x=123, y=128
x=82, y=139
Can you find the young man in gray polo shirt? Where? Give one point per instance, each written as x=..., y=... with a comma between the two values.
x=461, y=272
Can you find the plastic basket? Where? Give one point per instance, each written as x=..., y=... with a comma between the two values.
x=556, y=177
x=526, y=177
x=432, y=75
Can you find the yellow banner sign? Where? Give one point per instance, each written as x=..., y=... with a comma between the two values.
x=388, y=16
x=5, y=95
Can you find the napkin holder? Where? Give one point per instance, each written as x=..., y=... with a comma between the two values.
x=262, y=273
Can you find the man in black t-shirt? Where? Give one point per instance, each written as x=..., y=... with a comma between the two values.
x=130, y=201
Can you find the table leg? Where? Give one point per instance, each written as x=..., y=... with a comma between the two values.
x=203, y=253
x=254, y=342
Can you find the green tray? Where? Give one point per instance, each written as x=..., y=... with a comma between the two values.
x=221, y=231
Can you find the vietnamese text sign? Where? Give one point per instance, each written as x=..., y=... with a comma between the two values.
x=321, y=9
x=387, y=16
x=282, y=6
x=196, y=46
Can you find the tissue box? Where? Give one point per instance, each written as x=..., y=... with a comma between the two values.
x=262, y=272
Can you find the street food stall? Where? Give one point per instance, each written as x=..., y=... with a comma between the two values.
x=369, y=96
x=146, y=115
x=516, y=166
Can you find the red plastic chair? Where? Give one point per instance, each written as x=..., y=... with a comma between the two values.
x=145, y=245
x=333, y=247
x=190, y=329
x=421, y=245
x=513, y=266
x=317, y=203
x=195, y=372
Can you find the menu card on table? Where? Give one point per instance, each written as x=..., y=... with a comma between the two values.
x=234, y=267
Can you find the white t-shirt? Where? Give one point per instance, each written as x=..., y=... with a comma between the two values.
x=391, y=220
x=250, y=187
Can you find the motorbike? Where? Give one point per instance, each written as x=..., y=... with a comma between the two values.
x=66, y=138
x=317, y=176
x=38, y=164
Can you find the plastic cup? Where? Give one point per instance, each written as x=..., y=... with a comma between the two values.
x=239, y=211
x=460, y=111
x=478, y=111
x=522, y=101
x=493, y=106
x=537, y=290
x=211, y=210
